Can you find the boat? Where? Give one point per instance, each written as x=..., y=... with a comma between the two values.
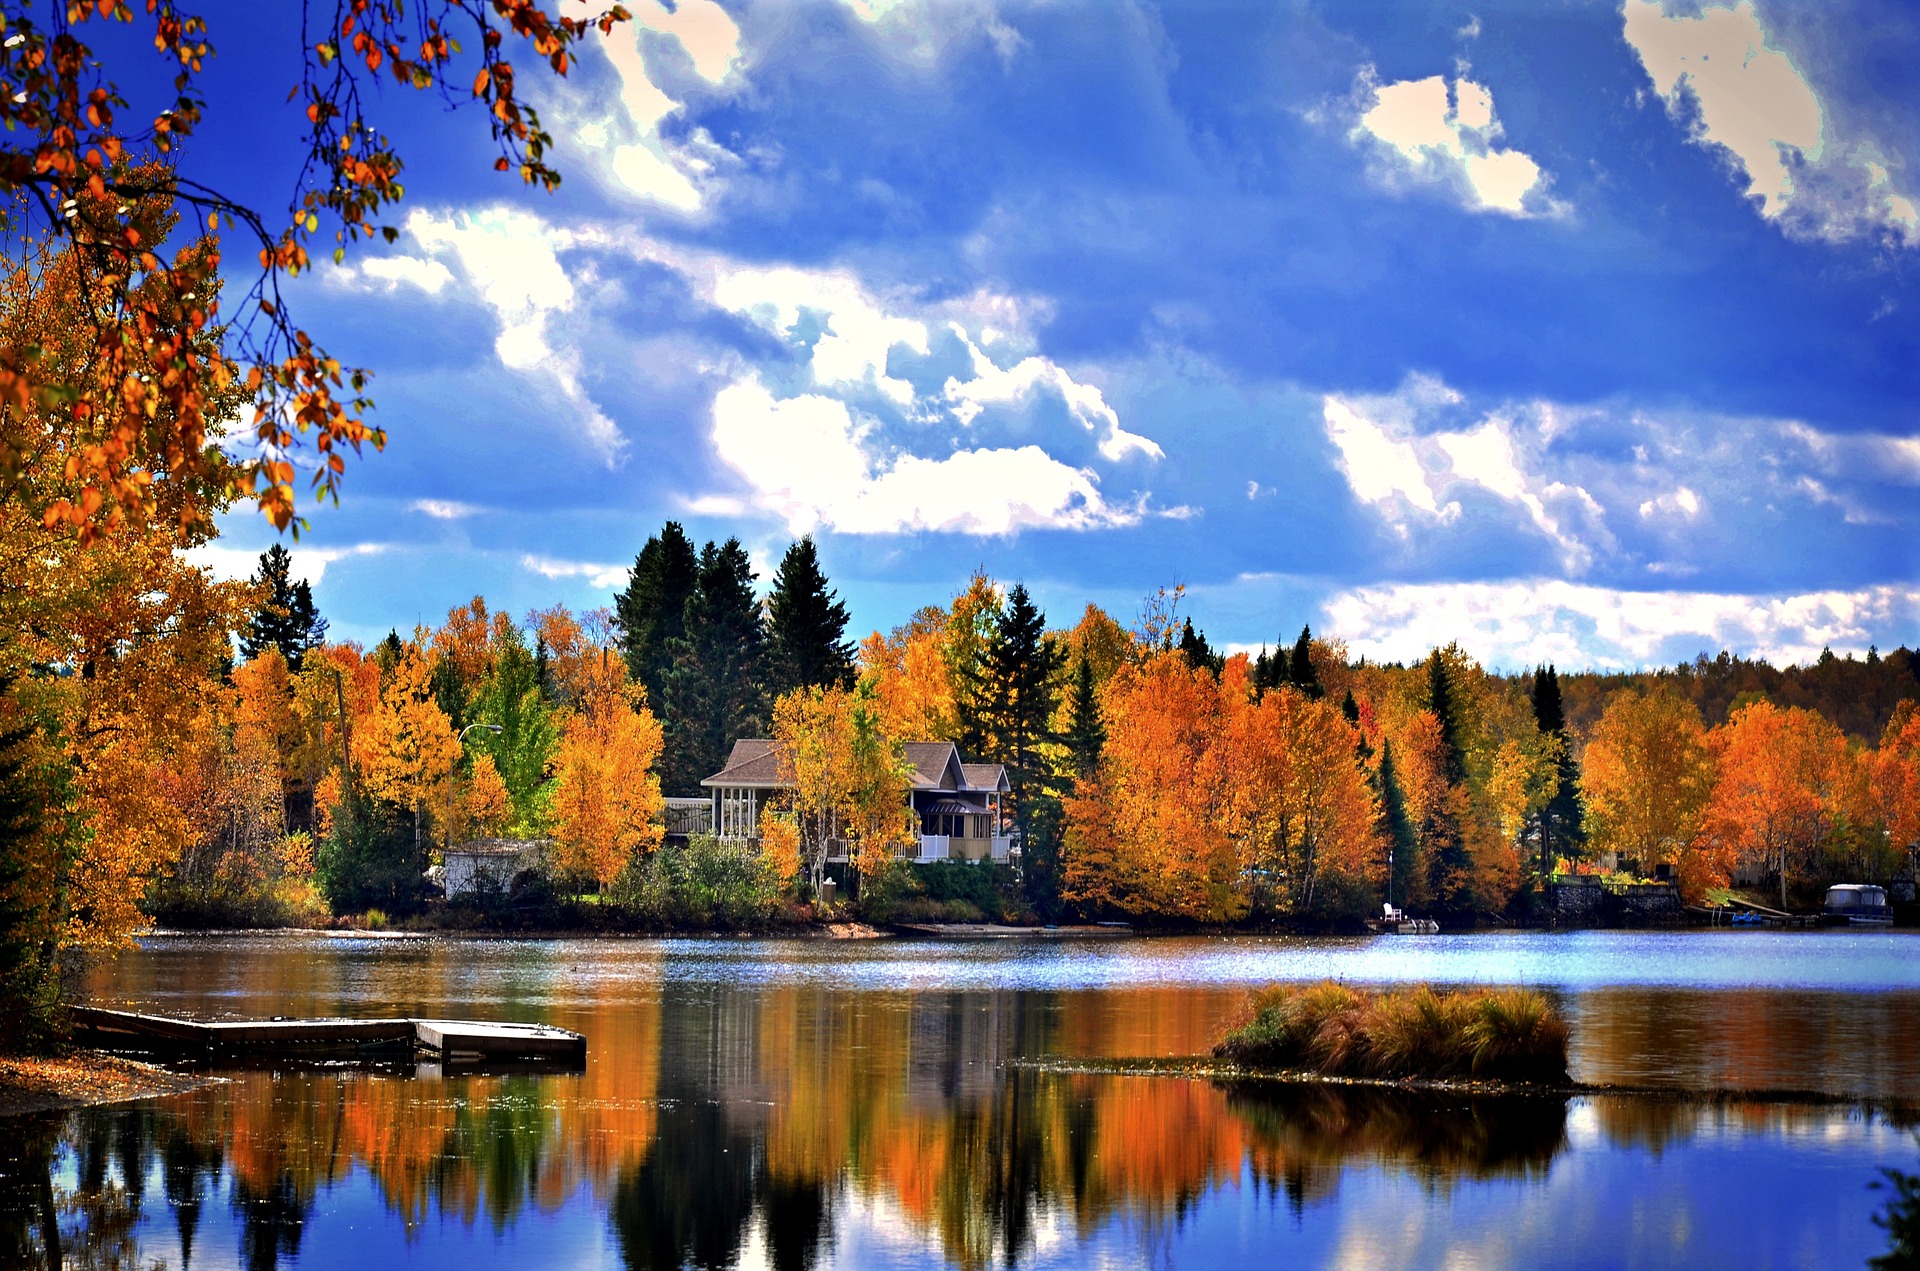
x=1857, y=905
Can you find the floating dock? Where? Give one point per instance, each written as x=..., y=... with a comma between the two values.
x=452, y=1041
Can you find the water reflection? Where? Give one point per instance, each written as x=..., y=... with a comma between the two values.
x=800, y=1124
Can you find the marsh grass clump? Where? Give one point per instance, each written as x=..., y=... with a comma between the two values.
x=1336, y=1031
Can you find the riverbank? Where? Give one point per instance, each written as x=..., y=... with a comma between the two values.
x=32, y=1084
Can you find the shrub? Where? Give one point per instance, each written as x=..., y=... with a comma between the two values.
x=1328, y=1028
x=705, y=883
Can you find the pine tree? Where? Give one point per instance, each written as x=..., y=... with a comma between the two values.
x=651, y=611
x=1396, y=829
x=1300, y=671
x=1020, y=695
x=1561, y=824
x=1086, y=735
x=714, y=695
x=287, y=619
x=806, y=627
x=1264, y=676
x=1440, y=702
x=1194, y=647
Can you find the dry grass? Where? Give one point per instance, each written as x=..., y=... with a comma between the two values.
x=1328, y=1028
x=49, y=1083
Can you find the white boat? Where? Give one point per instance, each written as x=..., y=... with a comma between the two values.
x=1857, y=905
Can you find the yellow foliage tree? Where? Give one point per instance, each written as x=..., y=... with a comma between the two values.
x=606, y=797
x=1647, y=776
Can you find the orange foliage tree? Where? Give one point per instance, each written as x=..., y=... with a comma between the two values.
x=1896, y=783
x=606, y=801
x=68, y=169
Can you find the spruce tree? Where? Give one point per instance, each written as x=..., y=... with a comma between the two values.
x=651, y=611
x=714, y=695
x=1440, y=702
x=1020, y=694
x=1086, y=735
x=1300, y=672
x=1561, y=824
x=1194, y=647
x=1396, y=829
x=287, y=619
x=806, y=627
x=1440, y=831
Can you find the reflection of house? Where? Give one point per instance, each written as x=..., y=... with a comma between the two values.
x=481, y=864
x=957, y=805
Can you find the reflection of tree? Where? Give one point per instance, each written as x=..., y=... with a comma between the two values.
x=29, y=1221
x=1298, y=1132
x=689, y=1203
x=272, y=1220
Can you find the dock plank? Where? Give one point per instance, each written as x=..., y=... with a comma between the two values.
x=323, y=1038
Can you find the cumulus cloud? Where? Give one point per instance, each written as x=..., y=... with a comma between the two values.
x=1445, y=132
x=1518, y=624
x=510, y=259
x=1412, y=476
x=813, y=461
x=629, y=143
x=597, y=575
x=390, y=273
x=1721, y=77
x=991, y=385
x=856, y=337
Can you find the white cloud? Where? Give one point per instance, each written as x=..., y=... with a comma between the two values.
x=1521, y=623
x=1449, y=134
x=1717, y=70
x=629, y=142
x=812, y=461
x=596, y=574
x=309, y=564
x=390, y=273
x=442, y=509
x=511, y=259
x=1681, y=502
x=1409, y=476
x=994, y=386
x=858, y=336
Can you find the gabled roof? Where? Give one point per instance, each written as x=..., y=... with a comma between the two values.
x=985, y=776
x=933, y=765
x=755, y=761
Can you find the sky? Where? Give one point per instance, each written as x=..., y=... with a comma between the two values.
x=1582, y=333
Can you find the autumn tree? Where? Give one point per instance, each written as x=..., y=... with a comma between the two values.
x=1647, y=775
x=806, y=626
x=1896, y=783
x=1785, y=789
x=909, y=673
x=606, y=802
x=813, y=730
x=70, y=172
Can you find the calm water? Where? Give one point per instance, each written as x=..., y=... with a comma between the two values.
x=858, y=1104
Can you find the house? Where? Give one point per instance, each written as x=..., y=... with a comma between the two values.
x=483, y=864
x=958, y=806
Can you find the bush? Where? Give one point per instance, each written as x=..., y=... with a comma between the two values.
x=372, y=858
x=705, y=883
x=1328, y=1028
x=943, y=891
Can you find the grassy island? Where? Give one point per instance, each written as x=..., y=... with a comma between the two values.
x=1403, y=1033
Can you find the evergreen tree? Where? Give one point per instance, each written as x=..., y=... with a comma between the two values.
x=1194, y=647
x=806, y=627
x=1020, y=695
x=651, y=611
x=31, y=842
x=1350, y=708
x=1440, y=702
x=372, y=858
x=1300, y=672
x=1086, y=735
x=714, y=695
x=1561, y=824
x=1264, y=675
x=386, y=654
x=1396, y=829
x=287, y=619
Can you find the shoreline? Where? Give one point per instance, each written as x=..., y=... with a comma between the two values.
x=1207, y=1068
x=33, y=1085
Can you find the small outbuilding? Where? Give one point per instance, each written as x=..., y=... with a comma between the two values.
x=490, y=864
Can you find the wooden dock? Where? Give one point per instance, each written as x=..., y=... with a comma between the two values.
x=450, y=1040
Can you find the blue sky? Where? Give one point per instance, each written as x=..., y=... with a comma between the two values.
x=1574, y=332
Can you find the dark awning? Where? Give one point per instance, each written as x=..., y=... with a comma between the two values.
x=951, y=807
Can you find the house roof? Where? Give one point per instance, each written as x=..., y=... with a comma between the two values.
x=985, y=776
x=933, y=765
x=495, y=847
x=755, y=761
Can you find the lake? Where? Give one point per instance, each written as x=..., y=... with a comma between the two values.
x=816, y=1103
